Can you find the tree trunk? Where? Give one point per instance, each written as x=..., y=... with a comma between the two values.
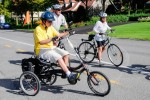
x=32, y=18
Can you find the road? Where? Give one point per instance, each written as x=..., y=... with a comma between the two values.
x=131, y=81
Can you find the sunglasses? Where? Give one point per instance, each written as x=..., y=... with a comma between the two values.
x=49, y=21
x=58, y=10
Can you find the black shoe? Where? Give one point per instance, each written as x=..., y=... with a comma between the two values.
x=73, y=77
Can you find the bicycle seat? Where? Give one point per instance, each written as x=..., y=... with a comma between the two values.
x=85, y=40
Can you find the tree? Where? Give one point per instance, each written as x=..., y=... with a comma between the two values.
x=133, y=5
x=3, y=8
x=21, y=6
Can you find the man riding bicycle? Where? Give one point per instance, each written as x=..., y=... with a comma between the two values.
x=59, y=18
x=100, y=28
x=44, y=48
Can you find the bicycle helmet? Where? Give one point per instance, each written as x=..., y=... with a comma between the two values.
x=102, y=14
x=48, y=9
x=47, y=16
x=56, y=7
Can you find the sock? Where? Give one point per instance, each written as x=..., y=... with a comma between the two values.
x=68, y=73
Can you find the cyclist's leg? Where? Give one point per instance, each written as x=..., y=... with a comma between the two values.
x=63, y=66
x=66, y=59
x=100, y=49
x=103, y=47
x=64, y=54
x=53, y=56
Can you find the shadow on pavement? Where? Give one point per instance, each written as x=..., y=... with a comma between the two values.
x=16, y=62
x=59, y=89
x=29, y=52
x=134, y=68
x=11, y=86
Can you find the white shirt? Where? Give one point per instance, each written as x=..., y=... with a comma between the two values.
x=100, y=28
x=59, y=20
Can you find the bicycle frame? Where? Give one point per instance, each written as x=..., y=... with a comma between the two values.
x=94, y=44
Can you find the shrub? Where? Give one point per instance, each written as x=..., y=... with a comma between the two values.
x=144, y=19
x=110, y=19
x=117, y=18
x=135, y=17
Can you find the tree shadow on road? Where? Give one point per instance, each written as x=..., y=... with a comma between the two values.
x=58, y=89
x=134, y=68
x=11, y=86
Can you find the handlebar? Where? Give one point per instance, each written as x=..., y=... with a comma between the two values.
x=111, y=31
x=70, y=30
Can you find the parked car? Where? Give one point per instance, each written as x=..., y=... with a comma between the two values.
x=5, y=26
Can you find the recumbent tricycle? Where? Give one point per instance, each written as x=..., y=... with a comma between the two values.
x=37, y=72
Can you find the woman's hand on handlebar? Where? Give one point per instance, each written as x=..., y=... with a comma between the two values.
x=112, y=30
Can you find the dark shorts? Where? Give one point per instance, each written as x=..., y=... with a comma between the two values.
x=100, y=43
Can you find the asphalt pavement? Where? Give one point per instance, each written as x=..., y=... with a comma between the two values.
x=130, y=81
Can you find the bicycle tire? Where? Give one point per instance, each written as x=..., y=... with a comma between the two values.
x=50, y=80
x=86, y=52
x=30, y=79
x=115, y=54
x=97, y=81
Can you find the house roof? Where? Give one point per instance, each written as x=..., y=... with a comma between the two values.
x=148, y=2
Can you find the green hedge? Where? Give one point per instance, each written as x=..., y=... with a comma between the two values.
x=135, y=17
x=117, y=18
x=110, y=19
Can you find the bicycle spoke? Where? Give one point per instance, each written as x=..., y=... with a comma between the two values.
x=86, y=52
x=29, y=83
x=99, y=83
x=115, y=55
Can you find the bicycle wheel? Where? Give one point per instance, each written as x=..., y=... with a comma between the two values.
x=86, y=52
x=49, y=80
x=98, y=83
x=115, y=55
x=29, y=83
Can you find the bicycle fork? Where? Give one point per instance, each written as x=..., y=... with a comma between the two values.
x=94, y=80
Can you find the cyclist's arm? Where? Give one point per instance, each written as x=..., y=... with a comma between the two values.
x=64, y=23
x=95, y=28
x=63, y=34
x=109, y=28
x=66, y=26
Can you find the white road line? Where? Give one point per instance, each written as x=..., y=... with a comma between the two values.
x=134, y=69
x=16, y=41
x=32, y=46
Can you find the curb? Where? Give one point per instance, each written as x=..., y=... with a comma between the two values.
x=84, y=29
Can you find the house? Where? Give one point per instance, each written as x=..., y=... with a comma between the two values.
x=77, y=9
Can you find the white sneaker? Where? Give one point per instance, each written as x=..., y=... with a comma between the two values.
x=101, y=63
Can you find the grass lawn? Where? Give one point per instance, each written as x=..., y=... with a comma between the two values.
x=139, y=30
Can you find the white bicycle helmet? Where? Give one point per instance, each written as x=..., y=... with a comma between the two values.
x=56, y=7
x=102, y=14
